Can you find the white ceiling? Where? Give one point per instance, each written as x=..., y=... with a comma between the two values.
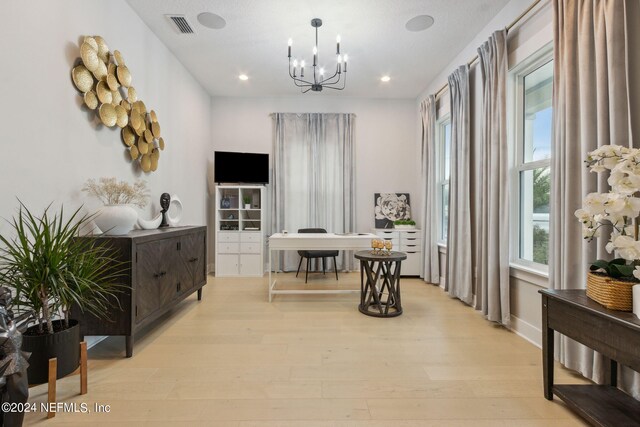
x=254, y=41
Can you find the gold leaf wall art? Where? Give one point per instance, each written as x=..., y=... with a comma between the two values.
x=105, y=84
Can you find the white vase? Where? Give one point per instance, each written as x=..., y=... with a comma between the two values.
x=115, y=220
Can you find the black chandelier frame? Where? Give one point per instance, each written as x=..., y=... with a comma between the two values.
x=319, y=82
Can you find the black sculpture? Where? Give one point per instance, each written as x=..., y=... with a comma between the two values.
x=165, y=201
x=14, y=385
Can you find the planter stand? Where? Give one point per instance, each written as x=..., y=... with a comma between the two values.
x=53, y=369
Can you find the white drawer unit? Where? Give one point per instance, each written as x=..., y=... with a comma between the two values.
x=408, y=241
x=228, y=236
x=239, y=244
x=251, y=263
x=387, y=234
x=250, y=237
x=250, y=248
x=410, y=234
x=411, y=265
x=229, y=248
x=227, y=264
x=394, y=236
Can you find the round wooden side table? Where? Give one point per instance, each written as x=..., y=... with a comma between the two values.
x=382, y=280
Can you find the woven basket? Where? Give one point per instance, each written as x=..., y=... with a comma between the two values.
x=613, y=294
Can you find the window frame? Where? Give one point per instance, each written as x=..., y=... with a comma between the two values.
x=515, y=110
x=441, y=124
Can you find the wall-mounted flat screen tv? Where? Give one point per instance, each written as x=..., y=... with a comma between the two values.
x=242, y=168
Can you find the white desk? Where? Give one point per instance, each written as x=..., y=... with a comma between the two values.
x=313, y=241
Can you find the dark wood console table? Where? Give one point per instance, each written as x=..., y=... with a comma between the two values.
x=163, y=267
x=614, y=334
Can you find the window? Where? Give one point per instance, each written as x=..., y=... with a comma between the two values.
x=531, y=176
x=443, y=147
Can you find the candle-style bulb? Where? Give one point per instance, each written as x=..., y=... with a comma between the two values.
x=295, y=63
x=315, y=50
x=322, y=71
x=339, y=59
x=290, y=41
x=302, y=63
x=346, y=58
x=338, y=38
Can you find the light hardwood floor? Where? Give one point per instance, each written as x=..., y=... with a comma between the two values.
x=235, y=360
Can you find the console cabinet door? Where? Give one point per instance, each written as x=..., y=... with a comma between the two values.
x=156, y=274
x=192, y=250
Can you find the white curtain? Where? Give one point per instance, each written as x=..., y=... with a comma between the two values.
x=431, y=270
x=459, y=281
x=314, y=177
x=492, y=291
x=595, y=103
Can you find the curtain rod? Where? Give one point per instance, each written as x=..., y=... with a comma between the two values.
x=475, y=58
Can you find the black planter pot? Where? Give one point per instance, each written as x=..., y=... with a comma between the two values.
x=65, y=345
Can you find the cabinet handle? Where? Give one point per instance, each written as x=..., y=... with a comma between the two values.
x=162, y=273
x=178, y=287
x=193, y=259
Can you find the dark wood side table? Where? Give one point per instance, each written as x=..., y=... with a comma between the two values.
x=385, y=270
x=614, y=334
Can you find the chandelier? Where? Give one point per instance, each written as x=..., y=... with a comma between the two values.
x=318, y=81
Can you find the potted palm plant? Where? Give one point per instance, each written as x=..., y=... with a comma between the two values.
x=51, y=268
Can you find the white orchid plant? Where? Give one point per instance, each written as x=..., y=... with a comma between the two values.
x=618, y=210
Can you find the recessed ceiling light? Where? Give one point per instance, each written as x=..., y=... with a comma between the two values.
x=385, y=79
x=419, y=23
x=211, y=20
x=243, y=77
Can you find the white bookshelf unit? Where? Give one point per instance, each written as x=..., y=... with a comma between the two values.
x=240, y=228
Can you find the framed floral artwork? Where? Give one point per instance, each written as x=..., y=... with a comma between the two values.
x=389, y=207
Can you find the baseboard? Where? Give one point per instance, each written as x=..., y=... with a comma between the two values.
x=527, y=331
x=210, y=268
x=442, y=282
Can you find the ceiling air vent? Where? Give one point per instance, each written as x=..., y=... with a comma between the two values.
x=181, y=24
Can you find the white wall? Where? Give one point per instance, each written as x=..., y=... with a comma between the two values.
x=51, y=144
x=386, y=156
x=531, y=34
